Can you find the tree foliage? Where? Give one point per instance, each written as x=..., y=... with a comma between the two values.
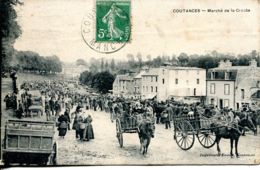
x=101, y=81
x=33, y=62
x=81, y=62
x=9, y=32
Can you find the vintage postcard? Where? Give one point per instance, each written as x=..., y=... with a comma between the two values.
x=130, y=82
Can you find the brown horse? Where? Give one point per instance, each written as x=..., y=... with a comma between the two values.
x=233, y=134
x=145, y=133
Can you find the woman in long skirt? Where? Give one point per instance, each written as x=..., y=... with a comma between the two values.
x=88, y=133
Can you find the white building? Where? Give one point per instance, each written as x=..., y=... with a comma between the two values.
x=186, y=82
x=176, y=82
x=73, y=71
x=123, y=85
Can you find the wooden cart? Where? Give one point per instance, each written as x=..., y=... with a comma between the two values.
x=187, y=127
x=29, y=142
x=125, y=125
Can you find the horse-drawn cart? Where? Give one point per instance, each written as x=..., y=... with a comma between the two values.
x=29, y=142
x=186, y=127
x=125, y=125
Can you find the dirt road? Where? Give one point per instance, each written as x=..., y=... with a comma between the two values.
x=105, y=150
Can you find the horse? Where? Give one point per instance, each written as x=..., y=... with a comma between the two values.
x=255, y=119
x=233, y=134
x=145, y=132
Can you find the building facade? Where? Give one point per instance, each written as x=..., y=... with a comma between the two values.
x=233, y=86
x=173, y=82
x=123, y=85
x=138, y=85
x=186, y=81
x=150, y=83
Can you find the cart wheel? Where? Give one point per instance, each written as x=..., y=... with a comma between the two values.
x=206, y=139
x=184, y=135
x=119, y=134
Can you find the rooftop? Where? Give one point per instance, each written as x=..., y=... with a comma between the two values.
x=184, y=68
x=233, y=68
x=139, y=75
x=124, y=77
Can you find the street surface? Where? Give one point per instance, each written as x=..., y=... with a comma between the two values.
x=105, y=149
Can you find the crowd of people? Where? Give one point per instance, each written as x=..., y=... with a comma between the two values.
x=60, y=95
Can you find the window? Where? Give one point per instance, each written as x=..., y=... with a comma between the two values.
x=176, y=81
x=226, y=103
x=151, y=88
x=156, y=90
x=162, y=81
x=194, y=91
x=226, y=89
x=212, y=88
x=156, y=79
x=143, y=88
x=146, y=88
x=243, y=93
x=151, y=78
x=198, y=81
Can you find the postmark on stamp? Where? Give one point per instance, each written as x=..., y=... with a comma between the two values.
x=112, y=34
x=113, y=20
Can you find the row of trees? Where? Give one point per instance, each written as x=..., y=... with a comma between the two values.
x=205, y=61
x=33, y=62
x=136, y=62
x=9, y=31
x=22, y=60
x=101, y=81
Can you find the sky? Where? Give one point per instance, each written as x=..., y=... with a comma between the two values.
x=53, y=27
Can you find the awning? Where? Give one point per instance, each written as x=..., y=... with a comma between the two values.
x=254, y=92
x=150, y=96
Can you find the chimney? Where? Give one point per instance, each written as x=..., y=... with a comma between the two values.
x=253, y=63
x=228, y=63
x=221, y=63
x=224, y=64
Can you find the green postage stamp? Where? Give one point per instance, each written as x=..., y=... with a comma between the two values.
x=113, y=21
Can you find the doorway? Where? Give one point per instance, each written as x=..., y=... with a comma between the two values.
x=221, y=103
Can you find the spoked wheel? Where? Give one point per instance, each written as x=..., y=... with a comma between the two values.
x=119, y=134
x=184, y=135
x=206, y=139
